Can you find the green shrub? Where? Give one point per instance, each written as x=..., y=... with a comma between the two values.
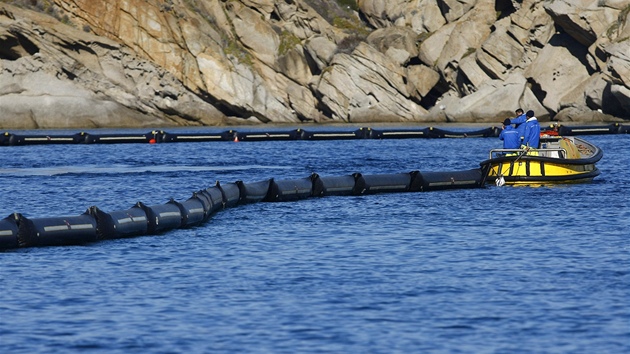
x=351, y=26
x=350, y=4
x=469, y=51
x=234, y=49
x=330, y=10
x=287, y=41
x=42, y=6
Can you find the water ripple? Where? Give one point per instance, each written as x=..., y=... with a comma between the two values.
x=501, y=270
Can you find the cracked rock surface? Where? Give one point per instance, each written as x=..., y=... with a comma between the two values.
x=160, y=63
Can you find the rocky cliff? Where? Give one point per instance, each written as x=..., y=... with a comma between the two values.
x=139, y=63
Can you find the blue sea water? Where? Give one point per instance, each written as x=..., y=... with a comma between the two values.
x=493, y=270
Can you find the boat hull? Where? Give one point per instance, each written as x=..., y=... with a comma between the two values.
x=564, y=163
x=532, y=172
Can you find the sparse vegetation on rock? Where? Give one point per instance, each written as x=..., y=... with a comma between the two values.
x=197, y=62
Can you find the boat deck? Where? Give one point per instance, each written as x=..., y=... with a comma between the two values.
x=552, y=147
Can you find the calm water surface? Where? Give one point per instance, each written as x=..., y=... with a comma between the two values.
x=494, y=270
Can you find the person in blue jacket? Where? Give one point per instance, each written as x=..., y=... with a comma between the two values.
x=519, y=121
x=532, y=131
x=510, y=136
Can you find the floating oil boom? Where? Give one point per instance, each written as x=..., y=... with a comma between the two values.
x=141, y=219
x=160, y=136
x=16, y=230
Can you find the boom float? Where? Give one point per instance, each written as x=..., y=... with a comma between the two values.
x=159, y=136
x=17, y=231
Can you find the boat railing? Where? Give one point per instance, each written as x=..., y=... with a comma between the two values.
x=547, y=152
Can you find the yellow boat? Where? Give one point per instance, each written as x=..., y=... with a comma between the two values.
x=559, y=160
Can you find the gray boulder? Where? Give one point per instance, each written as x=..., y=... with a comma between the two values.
x=365, y=86
x=494, y=101
x=55, y=76
x=557, y=71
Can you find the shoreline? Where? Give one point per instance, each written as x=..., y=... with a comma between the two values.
x=305, y=126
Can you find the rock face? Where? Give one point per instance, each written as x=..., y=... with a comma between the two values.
x=54, y=76
x=151, y=63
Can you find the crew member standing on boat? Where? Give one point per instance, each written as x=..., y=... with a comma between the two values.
x=519, y=121
x=510, y=136
x=532, y=131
